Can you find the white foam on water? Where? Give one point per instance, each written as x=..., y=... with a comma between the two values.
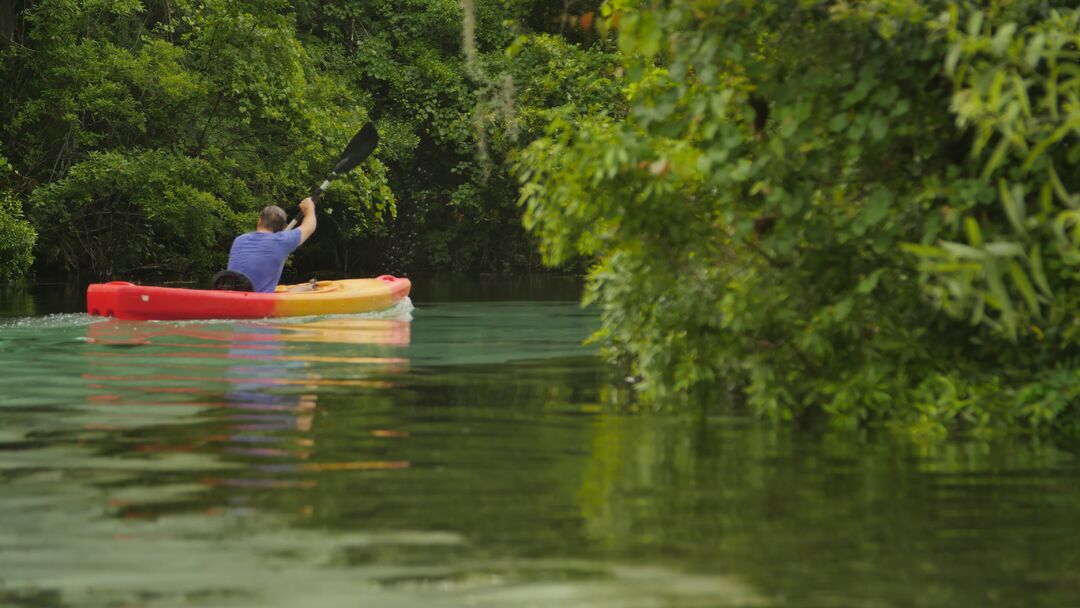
x=53, y=321
x=400, y=311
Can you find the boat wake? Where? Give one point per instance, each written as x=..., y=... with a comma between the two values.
x=400, y=311
x=53, y=321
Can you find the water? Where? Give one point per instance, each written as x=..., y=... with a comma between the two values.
x=477, y=455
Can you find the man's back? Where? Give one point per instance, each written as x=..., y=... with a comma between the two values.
x=261, y=256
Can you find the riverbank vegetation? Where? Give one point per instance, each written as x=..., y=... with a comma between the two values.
x=868, y=211
x=141, y=136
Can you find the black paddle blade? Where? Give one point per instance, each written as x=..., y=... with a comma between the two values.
x=361, y=146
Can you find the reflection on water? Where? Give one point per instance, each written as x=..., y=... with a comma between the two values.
x=269, y=377
x=467, y=458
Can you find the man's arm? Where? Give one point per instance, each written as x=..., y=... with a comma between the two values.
x=307, y=227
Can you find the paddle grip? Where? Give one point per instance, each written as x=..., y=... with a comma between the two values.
x=317, y=192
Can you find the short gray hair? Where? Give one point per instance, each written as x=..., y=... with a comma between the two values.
x=272, y=218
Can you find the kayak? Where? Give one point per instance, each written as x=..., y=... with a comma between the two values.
x=123, y=300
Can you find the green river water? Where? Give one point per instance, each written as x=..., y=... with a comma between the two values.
x=473, y=455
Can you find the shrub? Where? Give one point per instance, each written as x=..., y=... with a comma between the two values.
x=863, y=210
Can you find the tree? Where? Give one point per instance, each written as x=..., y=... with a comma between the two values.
x=170, y=123
x=16, y=235
x=755, y=216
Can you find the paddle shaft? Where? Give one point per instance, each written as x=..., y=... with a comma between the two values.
x=360, y=147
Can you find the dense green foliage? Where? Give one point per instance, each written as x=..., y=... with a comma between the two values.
x=16, y=234
x=171, y=122
x=147, y=135
x=455, y=115
x=162, y=208
x=863, y=209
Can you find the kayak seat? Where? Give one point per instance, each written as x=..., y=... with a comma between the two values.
x=231, y=280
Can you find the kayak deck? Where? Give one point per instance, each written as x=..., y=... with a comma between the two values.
x=123, y=300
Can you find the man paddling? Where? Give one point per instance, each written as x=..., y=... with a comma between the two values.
x=260, y=255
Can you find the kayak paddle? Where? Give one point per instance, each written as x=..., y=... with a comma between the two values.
x=361, y=146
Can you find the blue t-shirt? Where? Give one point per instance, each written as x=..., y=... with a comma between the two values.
x=261, y=256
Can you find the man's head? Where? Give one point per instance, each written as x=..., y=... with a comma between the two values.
x=272, y=218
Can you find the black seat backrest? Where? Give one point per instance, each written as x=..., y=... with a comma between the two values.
x=230, y=280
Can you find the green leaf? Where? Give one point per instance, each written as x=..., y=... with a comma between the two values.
x=996, y=158
x=1055, y=137
x=879, y=127
x=1046, y=198
x=868, y=284
x=1003, y=249
x=974, y=234
x=1064, y=221
x=1014, y=206
x=974, y=24
x=924, y=251
x=953, y=57
x=1051, y=95
x=1034, y=52
x=857, y=129
x=999, y=298
x=838, y=122
x=1022, y=283
x=1035, y=261
x=1020, y=89
x=791, y=205
x=963, y=251
x=1003, y=37
x=877, y=207
x=649, y=36
x=1070, y=200
x=887, y=96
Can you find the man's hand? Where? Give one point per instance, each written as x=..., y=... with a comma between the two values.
x=307, y=206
